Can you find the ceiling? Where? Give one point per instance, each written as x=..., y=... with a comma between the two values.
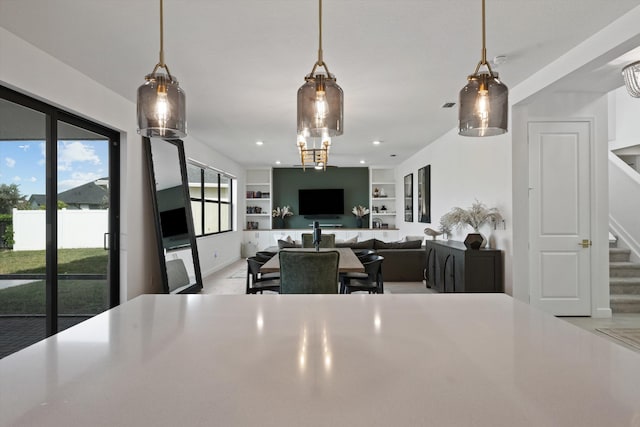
x=242, y=61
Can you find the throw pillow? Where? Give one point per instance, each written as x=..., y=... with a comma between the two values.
x=278, y=237
x=282, y=244
x=413, y=244
x=412, y=238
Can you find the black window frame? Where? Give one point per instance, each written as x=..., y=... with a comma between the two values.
x=202, y=200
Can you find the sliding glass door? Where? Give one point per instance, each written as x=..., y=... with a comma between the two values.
x=59, y=220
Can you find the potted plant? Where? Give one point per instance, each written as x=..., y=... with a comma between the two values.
x=279, y=215
x=359, y=212
x=475, y=217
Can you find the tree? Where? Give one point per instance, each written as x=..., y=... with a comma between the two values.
x=10, y=198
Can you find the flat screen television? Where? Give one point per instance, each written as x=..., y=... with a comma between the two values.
x=174, y=222
x=321, y=201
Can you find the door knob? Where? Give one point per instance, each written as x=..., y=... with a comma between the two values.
x=585, y=243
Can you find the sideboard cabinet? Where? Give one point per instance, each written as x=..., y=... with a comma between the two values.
x=452, y=267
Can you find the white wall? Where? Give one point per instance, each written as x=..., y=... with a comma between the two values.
x=626, y=132
x=464, y=169
x=31, y=71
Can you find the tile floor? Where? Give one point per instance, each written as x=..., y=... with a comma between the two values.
x=232, y=280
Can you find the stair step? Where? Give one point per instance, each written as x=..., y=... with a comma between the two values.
x=625, y=303
x=619, y=255
x=624, y=269
x=624, y=285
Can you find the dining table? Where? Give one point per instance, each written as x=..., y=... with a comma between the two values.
x=348, y=262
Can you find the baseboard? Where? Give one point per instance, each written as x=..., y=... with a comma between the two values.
x=218, y=267
x=602, y=313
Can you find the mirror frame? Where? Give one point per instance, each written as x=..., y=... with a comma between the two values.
x=197, y=286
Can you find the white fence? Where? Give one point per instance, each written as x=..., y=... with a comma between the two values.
x=76, y=229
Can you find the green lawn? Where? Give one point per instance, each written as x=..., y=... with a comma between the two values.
x=86, y=260
x=74, y=296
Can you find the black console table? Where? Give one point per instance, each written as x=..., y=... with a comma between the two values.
x=452, y=267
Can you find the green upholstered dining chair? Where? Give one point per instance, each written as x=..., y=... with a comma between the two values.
x=309, y=272
x=326, y=240
x=370, y=281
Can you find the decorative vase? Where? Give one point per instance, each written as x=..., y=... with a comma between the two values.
x=475, y=241
x=359, y=222
x=278, y=222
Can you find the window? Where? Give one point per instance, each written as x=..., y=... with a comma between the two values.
x=211, y=193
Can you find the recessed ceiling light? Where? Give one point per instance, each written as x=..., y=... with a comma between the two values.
x=277, y=162
x=259, y=142
x=362, y=162
x=376, y=142
x=392, y=155
x=448, y=104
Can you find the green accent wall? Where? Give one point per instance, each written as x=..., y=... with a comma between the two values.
x=287, y=182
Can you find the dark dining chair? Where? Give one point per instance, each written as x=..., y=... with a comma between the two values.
x=258, y=282
x=309, y=272
x=326, y=240
x=370, y=281
x=264, y=256
x=364, y=253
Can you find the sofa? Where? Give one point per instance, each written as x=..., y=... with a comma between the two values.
x=404, y=261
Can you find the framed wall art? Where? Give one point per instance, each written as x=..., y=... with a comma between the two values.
x=408, y=198
x=424, y=194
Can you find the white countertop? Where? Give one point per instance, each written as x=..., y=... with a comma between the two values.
x=322, y=360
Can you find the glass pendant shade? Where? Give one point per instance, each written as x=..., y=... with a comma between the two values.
x=631, y=74
x=320, y=107
x=161, y=107
x=484, y=106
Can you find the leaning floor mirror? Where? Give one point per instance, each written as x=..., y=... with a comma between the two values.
x=177, y=250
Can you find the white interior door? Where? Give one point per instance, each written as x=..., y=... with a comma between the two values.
x=559, y=209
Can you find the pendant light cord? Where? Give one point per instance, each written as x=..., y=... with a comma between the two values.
x=320, y=62
x=484, y=36
x=320, y=59
x=161, y=63
x=483, y=60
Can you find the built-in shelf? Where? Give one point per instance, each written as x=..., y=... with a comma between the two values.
x=258, y=181
x=382, y=181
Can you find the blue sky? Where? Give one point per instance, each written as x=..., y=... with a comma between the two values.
x=79, y=162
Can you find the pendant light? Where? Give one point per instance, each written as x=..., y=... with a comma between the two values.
x=484, y=101
x=631, y=74
x=316, y=157
x=320, y=99
x=161, y=101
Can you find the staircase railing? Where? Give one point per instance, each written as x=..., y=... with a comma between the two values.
x=624, y=203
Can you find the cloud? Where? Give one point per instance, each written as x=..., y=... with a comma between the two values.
x=77, y=179
x=75, y=151
x=17, y=179
x=24, y=147
x=33, y=179
x=43, y=153
x=10, y=162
